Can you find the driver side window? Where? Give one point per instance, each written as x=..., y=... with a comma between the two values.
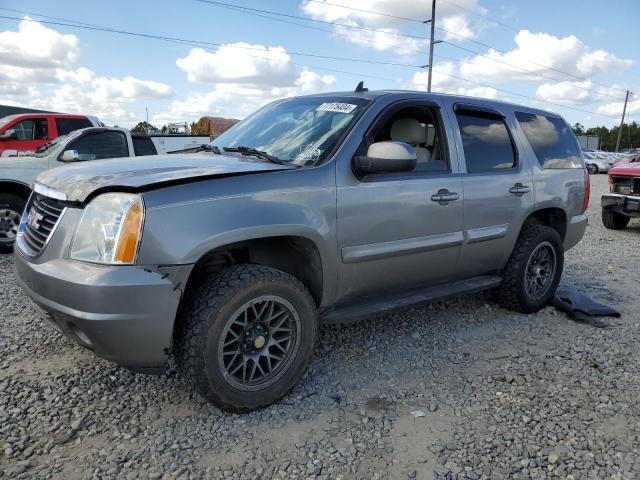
x=31, y=129
x=421, y=128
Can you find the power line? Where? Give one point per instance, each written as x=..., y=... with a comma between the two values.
x=484, y=16
x=546, y=67
x=333, y=32
x=298, y=17
x=366, y=11
x=587, y=89
x=418, y=37
x=197, y=42
x=510, y=92
x=200, y=42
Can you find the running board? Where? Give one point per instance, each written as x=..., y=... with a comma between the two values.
x=374, y=305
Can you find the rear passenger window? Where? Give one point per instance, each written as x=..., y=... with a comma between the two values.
x=551, y=139
x=486, y=141
x=143, y=146
x=66, y=125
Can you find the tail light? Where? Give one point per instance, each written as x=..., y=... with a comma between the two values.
x=610, y=178
x=587, y=190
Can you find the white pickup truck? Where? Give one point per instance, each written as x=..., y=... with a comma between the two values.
x=18, y=173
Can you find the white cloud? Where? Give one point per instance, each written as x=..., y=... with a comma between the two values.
x=457, y=26
x=540, y=53
x=128, y=88
x=37, y=56
x=37, y=46
x=449, y=16
x=441, y=82
x=615, y=108
x=238, y=100
x=239, y=63
x=482, y=92
x=565, y=93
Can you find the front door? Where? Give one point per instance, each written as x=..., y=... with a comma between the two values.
x=397, y=232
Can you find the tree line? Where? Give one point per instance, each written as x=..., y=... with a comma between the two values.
x=609, y=136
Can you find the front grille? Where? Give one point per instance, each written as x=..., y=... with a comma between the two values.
x=43, y=215
x=625, y=184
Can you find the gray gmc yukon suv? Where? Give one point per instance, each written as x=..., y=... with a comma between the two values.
x=322, y=208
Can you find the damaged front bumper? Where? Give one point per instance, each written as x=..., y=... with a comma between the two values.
x=124, y=314
x=625, y=204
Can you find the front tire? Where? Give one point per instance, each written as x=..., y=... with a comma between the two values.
x=593, y=168
x=614, y=220
x=245, y=338
x=11, y=207
x=532, y=274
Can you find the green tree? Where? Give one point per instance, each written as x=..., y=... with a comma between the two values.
x=143, y=127
x=578, y=129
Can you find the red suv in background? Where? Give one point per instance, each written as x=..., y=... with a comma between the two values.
x=23, y=133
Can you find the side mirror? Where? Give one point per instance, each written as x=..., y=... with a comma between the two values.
x=69, y=156
x=10, y=134
x=387, y=157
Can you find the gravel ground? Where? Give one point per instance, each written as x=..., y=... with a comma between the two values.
x=503, y=395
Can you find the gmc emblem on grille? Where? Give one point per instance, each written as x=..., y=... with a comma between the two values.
x=33, y=218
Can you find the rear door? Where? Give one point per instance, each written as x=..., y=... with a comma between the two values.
x=498, y=188
x=393, y=233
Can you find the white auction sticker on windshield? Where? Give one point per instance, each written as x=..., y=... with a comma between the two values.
x=336, y=107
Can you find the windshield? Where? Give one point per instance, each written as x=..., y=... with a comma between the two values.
x=300, y=131
x=7, y=119
x=45, y=149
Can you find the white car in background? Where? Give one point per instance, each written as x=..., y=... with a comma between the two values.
x=597, y=162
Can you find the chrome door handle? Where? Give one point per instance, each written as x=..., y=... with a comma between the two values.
x=519, y=189
x=444, y=196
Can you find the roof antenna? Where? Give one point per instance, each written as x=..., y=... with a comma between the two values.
x=361, y=87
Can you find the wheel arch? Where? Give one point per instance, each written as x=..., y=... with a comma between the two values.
x=15, y=187
x=296, y=255
x=550, y=216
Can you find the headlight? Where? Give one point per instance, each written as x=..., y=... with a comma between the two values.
x=110, y=229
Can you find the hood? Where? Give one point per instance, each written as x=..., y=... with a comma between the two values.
x=632, y=169
x=79, y=180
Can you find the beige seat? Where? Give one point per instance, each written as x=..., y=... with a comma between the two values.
x=409, y=130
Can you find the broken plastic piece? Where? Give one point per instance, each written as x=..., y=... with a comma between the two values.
x=582, y=308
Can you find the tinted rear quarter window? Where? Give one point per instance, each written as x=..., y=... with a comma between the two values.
x=143, y=146
x=551, y=139
x=486, y=142
x=66, y=125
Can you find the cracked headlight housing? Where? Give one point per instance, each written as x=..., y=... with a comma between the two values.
x=110, y=229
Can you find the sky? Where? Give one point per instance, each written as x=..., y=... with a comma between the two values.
x=574, y=58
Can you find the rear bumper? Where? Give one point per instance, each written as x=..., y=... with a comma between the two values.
x=625, y=204
x=575, y=231
x=124, y=313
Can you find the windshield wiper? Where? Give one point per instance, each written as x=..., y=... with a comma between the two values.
x=209, y=148
x=256, y=153
x=44, y=147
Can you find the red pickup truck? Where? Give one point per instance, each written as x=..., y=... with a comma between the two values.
x=623, y=203
x=23, y=133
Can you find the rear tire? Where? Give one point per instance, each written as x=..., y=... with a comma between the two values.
x=593, y=168
x=246, y=337
x=614, y=220
x=532, y=274
x=11, y=207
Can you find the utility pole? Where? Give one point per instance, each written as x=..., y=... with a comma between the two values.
x=624, y=110
x=147, y=110
x=433, y=26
